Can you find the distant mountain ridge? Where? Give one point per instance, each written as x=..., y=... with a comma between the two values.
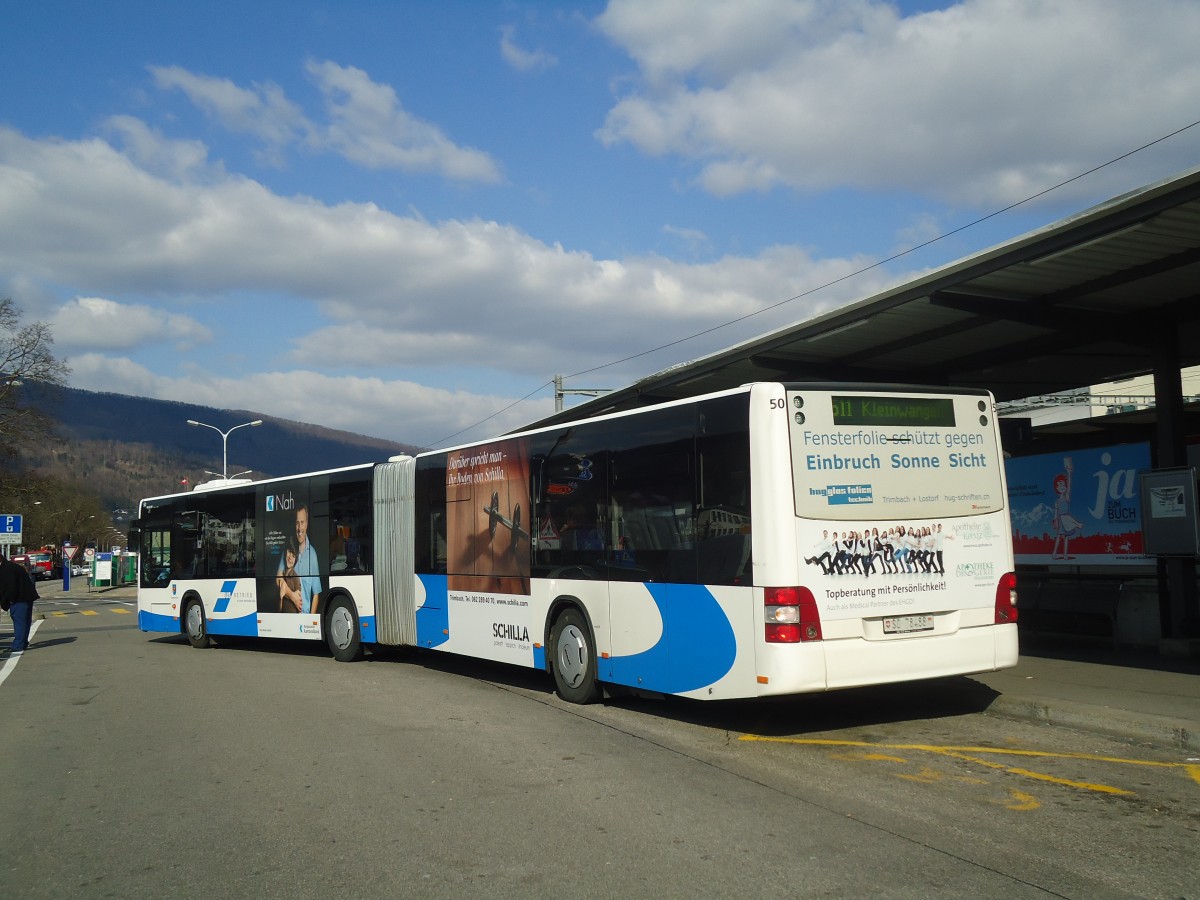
x=130, y=447
x=278, y=445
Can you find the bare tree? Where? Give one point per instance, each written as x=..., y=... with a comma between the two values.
x=29, y=372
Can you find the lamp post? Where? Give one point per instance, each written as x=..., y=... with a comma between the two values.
x=225, y=440
x=49, y=531
x=231, y=477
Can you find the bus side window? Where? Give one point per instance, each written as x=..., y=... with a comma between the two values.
x=569, y=471
x=430, y=516
x=653, y=500
x=723, y=512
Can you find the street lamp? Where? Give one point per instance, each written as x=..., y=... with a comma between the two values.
x=231, y=477
x=225, y=440
x=52, y=517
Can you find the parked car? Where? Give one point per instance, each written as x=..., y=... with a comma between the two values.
x=78, y=568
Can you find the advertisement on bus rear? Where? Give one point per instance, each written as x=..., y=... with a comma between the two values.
x=900, y=458
x=900, y=502
x=886, y=568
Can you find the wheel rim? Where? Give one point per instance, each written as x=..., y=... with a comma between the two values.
x=572, y=656
x=195, y=622
x=341, y=627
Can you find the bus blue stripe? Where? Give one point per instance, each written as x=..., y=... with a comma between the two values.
x=148, y=621
x=697, y=647
x=433, y=619
x=246, y=626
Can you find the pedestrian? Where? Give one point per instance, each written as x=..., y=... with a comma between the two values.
x=17, y=594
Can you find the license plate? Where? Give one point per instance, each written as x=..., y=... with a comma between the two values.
x=905, y=624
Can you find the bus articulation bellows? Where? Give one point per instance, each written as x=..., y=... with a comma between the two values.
x=770, y=540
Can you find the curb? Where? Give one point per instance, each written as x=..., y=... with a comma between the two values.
x=1103, y=720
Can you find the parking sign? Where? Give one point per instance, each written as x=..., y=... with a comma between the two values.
x=10, y=528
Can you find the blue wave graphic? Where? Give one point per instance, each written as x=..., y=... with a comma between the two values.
x=697, y=647
x=433, y=619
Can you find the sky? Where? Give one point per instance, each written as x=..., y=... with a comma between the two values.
x=404, y=219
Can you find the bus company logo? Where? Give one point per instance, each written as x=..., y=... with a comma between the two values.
x=310, y=628
x=977, y=570
x=280, y=503
x=225, y=596
x=510, y=632
x=174, y=589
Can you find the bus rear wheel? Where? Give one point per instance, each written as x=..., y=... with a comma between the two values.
x=573, y=658
x=341, y=631
x=196, y=625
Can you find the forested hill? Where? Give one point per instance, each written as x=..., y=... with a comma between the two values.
x=130, y=447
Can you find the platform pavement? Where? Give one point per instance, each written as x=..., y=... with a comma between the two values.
x=1137, y=695
x=1130, y=694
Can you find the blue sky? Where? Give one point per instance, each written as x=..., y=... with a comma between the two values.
x=399, y=218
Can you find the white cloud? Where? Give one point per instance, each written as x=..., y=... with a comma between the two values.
x=366, y=124
x=98, y=324
x=355, y=297
x=155, y=153
x=262, y=111
x=369, y=126
x=984, y=103
x=520, y=59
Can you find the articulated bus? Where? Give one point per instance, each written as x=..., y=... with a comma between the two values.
x=769, y=540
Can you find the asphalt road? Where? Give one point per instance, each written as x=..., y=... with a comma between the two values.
x=136, y=766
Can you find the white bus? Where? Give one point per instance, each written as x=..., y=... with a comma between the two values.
x=770, y=540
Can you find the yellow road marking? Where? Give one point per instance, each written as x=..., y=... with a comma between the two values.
x=1022, y=802
x=999, y=751
x=975, y=754
x=62, y=613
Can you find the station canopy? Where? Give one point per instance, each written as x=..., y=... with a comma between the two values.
x=1096, y=297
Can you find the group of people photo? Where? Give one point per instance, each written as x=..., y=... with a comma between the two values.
x=916, y=549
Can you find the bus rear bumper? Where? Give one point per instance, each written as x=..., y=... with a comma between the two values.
x=856, y=662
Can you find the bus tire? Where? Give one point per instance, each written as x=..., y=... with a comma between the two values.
x=195, y=624
x=573, y=658
x=341, y=631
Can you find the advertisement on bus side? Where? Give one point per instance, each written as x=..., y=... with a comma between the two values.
x=289, y=597
x=488, y=552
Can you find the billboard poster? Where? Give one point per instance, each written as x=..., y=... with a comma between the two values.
x=1078, y=507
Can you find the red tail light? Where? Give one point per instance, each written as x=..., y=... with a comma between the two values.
x=791, y=616
x=1006, y=599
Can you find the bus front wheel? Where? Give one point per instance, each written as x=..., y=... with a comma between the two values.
x=573, y=658
x=341, y=631
x=196, y=625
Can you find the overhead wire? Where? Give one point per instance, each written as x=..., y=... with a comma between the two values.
x=867, y=268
